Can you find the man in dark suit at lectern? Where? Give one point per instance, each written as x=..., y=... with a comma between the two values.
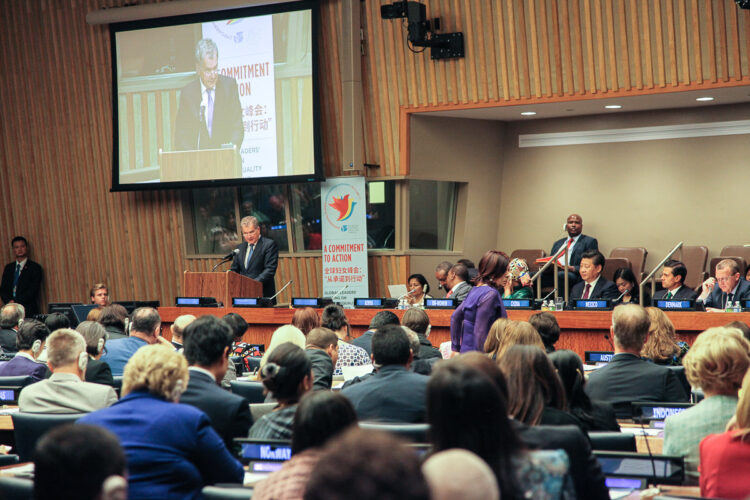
x=577, y=244
x=258, y=256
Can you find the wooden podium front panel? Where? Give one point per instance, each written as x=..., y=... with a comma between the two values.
x=198, y=165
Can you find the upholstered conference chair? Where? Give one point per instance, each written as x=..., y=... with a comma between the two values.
x=29, y=427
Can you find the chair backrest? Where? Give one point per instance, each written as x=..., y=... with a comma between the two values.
x=739, y=260
x=29, y=427
x=612, y=441
x=636, y=256
x=228, y=493
x=16, y=381
x=16, y=488
x=252, y=391
x=695, y=259
x=416, y=433
x=257, y=410
x=740, y=250
x=529, y=255
x=680, y=372
x=117, y=379
x=612, y=264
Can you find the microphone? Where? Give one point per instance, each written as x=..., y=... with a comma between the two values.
x=548, y=295
x=339, y=292
x=618, y=299
x=227, y=258
x=282, y=289
x=410, y=292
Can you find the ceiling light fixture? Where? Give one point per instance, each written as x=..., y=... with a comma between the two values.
x=528, y=113
x=613, y=106
x=704, y=99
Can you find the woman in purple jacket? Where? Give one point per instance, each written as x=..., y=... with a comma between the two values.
x=484, y=304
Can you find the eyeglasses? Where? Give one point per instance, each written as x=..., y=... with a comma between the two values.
x=727, y=279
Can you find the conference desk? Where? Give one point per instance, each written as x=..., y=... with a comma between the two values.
x=579, y=330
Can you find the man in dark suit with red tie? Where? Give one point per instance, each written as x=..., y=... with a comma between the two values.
x=577, y=244
x=22, y=279
x=593, y=284
x=258, y=256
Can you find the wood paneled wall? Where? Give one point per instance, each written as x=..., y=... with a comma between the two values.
x=56, y=126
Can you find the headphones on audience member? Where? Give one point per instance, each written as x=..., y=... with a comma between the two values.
x=83, y=361
x=427, y=332
x=179, y=388
x=36, y=347
x=114, y=488
x=100, y=345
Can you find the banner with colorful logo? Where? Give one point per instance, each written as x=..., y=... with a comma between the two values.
x=344, y=229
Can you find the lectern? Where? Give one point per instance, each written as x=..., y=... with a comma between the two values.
x=203, y=164
x=223, y=286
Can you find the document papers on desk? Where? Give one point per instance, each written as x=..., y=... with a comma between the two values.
x=355, y=371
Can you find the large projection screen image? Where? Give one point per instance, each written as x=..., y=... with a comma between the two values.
x=216, y=99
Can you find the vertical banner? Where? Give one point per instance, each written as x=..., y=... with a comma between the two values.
x=246, y=54
x=344, y=239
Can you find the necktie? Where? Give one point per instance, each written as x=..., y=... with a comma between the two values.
x=561, y=260
x=210, y=111
x=668, y=296
x=248, y=255
x=586, y=291
x=447, y=295
x=16, y=275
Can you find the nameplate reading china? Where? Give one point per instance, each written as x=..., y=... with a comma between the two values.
x=518, y=303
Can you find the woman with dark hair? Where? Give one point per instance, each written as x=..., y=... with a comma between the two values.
x=287, y=375
x=466, y=409
x=418, y=289
x=320, y=416
x=535, y=392
x=472, y=320
x=239, y=348
x=627, y=284
x=306, y=319
x=594, y=415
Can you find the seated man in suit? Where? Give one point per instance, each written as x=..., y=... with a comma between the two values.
x=441, y=274
x=628, y=377
x=458, y=283
x=393, y=394
x=380, y=319
x=673, y=276
x=65, y=391
x=178, y=328
x=145, y=329
x=208, y=341
x=30, y=343
x=577, y=244
x=11, y=317
x=732, y=287
x=257, y=257
x=322, y=349
x=594, y=285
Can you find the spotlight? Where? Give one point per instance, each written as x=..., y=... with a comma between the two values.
x=395, y=10
x=421, y=32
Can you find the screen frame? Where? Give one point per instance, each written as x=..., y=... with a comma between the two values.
x=161, y=22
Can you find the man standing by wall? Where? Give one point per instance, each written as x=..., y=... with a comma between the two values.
x=22, y=279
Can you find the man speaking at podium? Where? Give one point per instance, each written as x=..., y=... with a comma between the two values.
x=258, y=257
x=210, y=113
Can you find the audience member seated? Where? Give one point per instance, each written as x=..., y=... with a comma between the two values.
x=495, y=337
x=282, y=335
x=335, y=319
x=418, y=321
x=662, y=346
x=171, y=449
x=593, y=285
x=732, y=287
x=65, y=391
x=99, y=295
x=627, y=287
x=673, y=276
x=380, y=319
x=465, y=409
x=367, y=465
x=287, y=376
x=592, y=415
x=545, y=323
x=113, y=318
x=473, y=271
x=725, y=458
x=458, y=283
x=471, y=321
x=518, y=285
x=145, y=329
x=535, y=392
x=418, y=365
x=53, y=322
x=459, y=473
x=11, y=317
x=94, y=314
x=322, y=350
x=97, y=371
x=516, y=333
x=741, y=326
x=717, y=364
x=418, y=290
x=441, y=275
x=79, y=462
x=239, y=347
x=577, y=244
x=584, y=467
x=320, y=417
x=393, y=394
x=627, y=377
x=207, y=343
x=305, y=319
x=178, y=328
x=30, y=341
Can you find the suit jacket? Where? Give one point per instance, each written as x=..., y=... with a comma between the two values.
x=191, y=131
x=394, y=394
x=461, y=292
x=21, y=365
x=27, y=289
x=171, y=449
x=604, y=289
x=322, y=368
x=364, y=341
x=98, y=372
x=114, y=333
x=584, y=467
x=583, y=244
x=118, y=352
x=629, y=378
x=718, y=299
x=262, y=265
x=65, y=393
x=683, y=292
x=8, y=340
x=229, y=413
